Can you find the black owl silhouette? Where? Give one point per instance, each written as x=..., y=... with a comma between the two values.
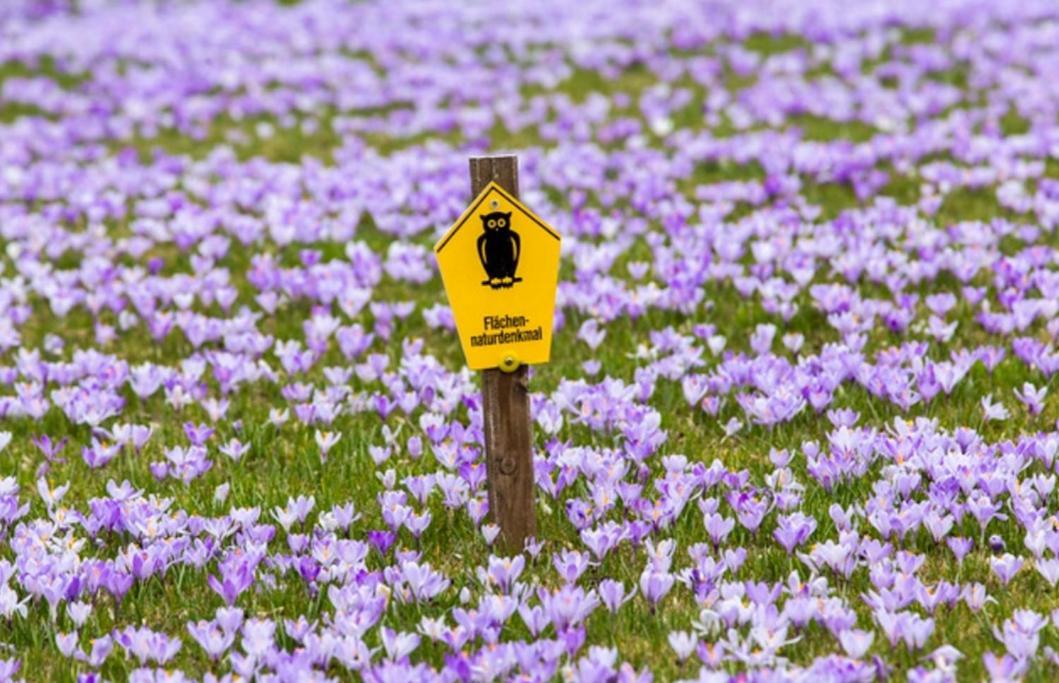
x=498, y=249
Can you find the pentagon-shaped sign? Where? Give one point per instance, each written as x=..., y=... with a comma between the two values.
x=500, y=266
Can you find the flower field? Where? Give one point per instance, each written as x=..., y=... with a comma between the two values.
x=799, y=422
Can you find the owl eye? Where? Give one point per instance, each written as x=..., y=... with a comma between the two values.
x=501, y=223
x=491, y=223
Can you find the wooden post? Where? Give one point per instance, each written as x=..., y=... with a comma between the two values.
x=506, y=408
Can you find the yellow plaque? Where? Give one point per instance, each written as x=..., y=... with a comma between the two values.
x=500, y=266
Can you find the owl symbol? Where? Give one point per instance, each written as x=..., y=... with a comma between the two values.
x=498, y=249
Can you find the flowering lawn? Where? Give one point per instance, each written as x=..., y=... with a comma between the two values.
x=799, y=421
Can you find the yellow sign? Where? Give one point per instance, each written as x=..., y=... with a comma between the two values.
x=500, y=266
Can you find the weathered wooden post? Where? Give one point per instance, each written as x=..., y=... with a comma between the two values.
x=500, y=266
x=505, y=406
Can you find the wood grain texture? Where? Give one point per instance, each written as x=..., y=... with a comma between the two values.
x=506, y=408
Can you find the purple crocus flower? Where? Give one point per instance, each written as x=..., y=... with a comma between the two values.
x=1006, y=566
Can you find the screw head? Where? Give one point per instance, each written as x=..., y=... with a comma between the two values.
x=509, y=364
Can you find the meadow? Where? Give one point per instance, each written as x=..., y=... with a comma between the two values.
x=799, y=421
